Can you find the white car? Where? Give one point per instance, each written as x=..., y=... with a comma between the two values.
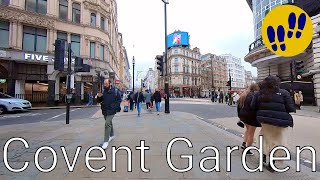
x=10, y=104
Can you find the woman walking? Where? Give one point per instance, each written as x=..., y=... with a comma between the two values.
x=248, y=116
x=273, y=106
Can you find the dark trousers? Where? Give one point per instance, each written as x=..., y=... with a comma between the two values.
x=148, y=105
x=131, y=105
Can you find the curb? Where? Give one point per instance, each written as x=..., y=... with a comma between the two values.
x=62, y=107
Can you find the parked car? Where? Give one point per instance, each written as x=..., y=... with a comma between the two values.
x=10, y=104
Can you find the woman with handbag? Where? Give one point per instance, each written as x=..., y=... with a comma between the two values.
x=273, y=106
x=248, y=116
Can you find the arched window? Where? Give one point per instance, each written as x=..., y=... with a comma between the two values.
x=93, y=20
x=76, y=12
x=63, y=9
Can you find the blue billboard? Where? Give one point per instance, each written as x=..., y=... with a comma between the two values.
x=178, y=39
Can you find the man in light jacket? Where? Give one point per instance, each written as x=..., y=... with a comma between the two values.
x=147, y=97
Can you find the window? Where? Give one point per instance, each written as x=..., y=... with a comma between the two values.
x=176, y=60
x=4, y=34
x=76, y=12
x=34, y=39
x=176, y=69
x=102, y=52
x=75, y=44
x=92, y=50
x=176, y=51
x=4, y=2
x=63, y=36
x=102, y=24
x=39, y=6
x=93, y=20
x=63, y=9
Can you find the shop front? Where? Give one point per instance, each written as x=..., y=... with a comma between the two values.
x=186, y=91
x=176, y=91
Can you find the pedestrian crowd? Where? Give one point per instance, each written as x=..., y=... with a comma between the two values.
x=265, y=105
x=111, y=99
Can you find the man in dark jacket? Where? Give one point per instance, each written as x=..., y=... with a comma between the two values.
x=110, y=104
x=157, y=99
x=139, y=98
x=131, y=99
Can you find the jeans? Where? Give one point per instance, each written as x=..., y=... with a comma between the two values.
x=139, y=107
x=108, y=127
x=158, y=106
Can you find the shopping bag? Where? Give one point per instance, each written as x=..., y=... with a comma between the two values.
x=151, y=105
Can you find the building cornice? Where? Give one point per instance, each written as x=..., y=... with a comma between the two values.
x=102, y=8
x=17, y=15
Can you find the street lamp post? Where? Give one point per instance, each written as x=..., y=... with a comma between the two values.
x=133, y=63
x=166, y=85
x=230, y=103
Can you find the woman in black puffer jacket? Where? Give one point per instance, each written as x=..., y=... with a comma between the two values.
x=273, y=106
x=248, y=116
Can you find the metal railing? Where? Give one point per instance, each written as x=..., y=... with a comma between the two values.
x=256, y=44
x=58, y=98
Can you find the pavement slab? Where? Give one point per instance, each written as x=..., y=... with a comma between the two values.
x=130, y=130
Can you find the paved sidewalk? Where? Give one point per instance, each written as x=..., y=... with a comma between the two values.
x=63, y=107
x=157, y=131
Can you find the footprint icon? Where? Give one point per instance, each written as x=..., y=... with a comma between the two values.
x=292, y=23
x=281, y=35
x=272, y=38
x=301, y=24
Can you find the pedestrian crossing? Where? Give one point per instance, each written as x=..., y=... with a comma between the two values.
x=19, y=115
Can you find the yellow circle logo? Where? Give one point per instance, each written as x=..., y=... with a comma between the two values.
x=287, y=30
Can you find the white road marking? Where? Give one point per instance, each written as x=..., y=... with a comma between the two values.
x=199, y=117
x=60, y=115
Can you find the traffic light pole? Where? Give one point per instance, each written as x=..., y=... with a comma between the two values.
x=166, y=85
x=69, y=94
x=230, y=103
x=291, y=79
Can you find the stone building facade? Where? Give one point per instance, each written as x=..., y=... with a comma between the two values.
x=28, y=30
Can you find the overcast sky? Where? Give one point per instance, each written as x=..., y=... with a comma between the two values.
x=214, y=26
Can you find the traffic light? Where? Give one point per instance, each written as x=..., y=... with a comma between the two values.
x=79, y=66
x=160, y=64
x=228, y=83
x=299, y=67
x=59, y=55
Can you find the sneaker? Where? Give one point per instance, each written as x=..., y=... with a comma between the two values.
x=105, y=145
x=111, y=138
x=243, y=147
x=249, y=153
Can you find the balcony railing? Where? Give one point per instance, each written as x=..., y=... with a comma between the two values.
x=256, y=44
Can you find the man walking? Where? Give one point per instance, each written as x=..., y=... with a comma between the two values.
x=157, y=99
x=110, y=104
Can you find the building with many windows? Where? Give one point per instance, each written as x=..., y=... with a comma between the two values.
x=28, y=30
x=249, y=79
x=236, y=71
x=184, y=72
x=268, y=63
x=214, y=74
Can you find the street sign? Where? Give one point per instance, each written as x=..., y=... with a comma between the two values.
x=299, y=77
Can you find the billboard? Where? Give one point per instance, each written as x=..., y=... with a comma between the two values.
x=178, y=39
